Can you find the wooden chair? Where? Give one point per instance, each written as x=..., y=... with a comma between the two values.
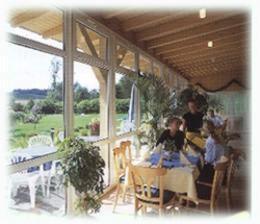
x=146, y=195
x=120, y=164
x=231, y=170
x=216, y=186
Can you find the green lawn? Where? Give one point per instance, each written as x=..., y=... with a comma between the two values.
x=20, y=132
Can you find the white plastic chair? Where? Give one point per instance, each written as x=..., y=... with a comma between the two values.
x=23, y=178
x=40, y=140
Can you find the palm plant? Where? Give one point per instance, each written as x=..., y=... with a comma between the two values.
x=157, y=98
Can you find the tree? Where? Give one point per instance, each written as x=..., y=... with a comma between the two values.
x=81, y=93
x=55, y=92
x=17, y=107
x=29, y=105
x=124, y=88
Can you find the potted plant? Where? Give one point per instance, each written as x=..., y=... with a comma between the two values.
x=83, y=168
x=94, y=127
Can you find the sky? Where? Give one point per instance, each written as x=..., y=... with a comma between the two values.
x=30, y=68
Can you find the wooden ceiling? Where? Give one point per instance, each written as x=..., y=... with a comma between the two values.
x=179, y=38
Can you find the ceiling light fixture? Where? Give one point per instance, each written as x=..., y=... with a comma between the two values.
x=203, y=13
x=210, y=43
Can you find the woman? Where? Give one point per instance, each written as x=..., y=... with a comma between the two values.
x=172, y=137
x=214, y=151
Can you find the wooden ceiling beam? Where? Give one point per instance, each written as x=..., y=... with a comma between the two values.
x=209, y=64
x=206, y=73
x=114, y=13
x=210, y=51
x=204, y=46
x=177, y=25
x=212, y=68
x=208, y=61
x=26, y=17
x=53, y=31
x=150, y=19
x=217, y=26
x=242, y=52
x=217, y=39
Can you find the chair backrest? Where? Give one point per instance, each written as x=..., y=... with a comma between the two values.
x=127, y=147
x=40, y=140
x=120, y=160
x=232, y=168
x=220, y=170
x=144, y=179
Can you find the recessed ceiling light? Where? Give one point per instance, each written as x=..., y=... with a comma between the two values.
x=203, y=13
x=210, y=43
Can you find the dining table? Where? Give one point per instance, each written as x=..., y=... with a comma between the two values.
x=33, y=152
x=182, y=170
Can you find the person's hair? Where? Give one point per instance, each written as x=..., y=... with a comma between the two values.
x=170, y=120
x=191, y=100
x=212, y=131
x=211, y=110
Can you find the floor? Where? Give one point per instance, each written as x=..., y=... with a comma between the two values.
x=55, y=204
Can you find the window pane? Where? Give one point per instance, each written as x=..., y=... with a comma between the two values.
x=90, y=42
x=125, y=104
x=125, y=58
x=90, y=106
x=144, y=64
x=44, y=26
x=90, y=98
x=36, y=106
x=156, y=69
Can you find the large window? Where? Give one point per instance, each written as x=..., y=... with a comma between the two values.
x=125, y=58
x=145, y=65
x=36, y=115
x=35, y=90
x=44, y=26
x=125, y=104
x=90, y=101
x=90, y=42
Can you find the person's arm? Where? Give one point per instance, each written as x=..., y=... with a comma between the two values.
x=210, y=155
x=184, y=123
x=181, y=140
x=162, y=138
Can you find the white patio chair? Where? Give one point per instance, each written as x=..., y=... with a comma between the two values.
x=23, y=178
x=46, y=175
x=40, y=140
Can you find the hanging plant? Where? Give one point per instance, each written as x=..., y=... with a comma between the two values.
x=180, y=107
x=83, y=168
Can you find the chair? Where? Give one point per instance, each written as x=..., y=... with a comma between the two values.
x=44, y=140
x=231, y=170
x=121, y=163
x=146, y=194
x=216, y=186
x=25, y=178
x=40, y=140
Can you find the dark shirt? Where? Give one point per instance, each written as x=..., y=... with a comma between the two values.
x=193, y=121
x=178, y=138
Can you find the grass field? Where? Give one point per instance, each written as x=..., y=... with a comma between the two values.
x=21, y=132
